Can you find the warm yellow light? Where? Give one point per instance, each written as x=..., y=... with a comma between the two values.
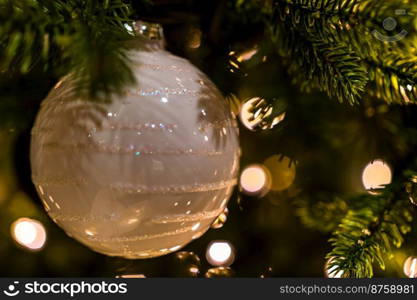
x=376, y=174
x=29, y=233
x=255, y=180
x=220, y=220
x=282, y=172
x=220, y=253
x=331, y=272
x=131, y=276
x=410, y=267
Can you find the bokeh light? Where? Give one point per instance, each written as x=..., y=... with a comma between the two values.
x=131, y=276
x=332, y=271
x=376, y=174
x=188, y=264
x=29, y=233
x=410, y=267
x=220, y=253
x=255, y=180
x=282, y=172
x=219, y=272
x=251, y=118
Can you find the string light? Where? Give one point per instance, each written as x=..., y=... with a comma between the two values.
x=410, y=267
x=255, y=180
x=29, y=233
x=220, y=253
x=376, y=174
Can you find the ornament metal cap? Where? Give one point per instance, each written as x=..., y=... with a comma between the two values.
x=151, y=31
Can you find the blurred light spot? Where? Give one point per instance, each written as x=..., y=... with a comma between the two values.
x=195, y=38
x=246, y=55
x=194, y=270
x=189, y=264
x=410, y=267
x=131, y=276
x=252, y=117
x=220, y=220
x=219, y=272
x=282, y=172
x=376, y=174
x=255, y=180
x=164, y=99
x=220, y=253
x=29, y=233
x=332, y=272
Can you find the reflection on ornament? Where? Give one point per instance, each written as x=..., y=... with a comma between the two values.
x=220, y=220
x=375, y=175
x=255, y=180
x=251, y=114
x=411, y=188
x=410, y=267
x=332, y=271
x=282, y=172
x=131, y=276
x=219, y=272
x=29, y=233
x=220, y=253
x=146, y=173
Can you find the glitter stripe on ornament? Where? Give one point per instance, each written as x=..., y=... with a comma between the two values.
x=188, y=218
x=166, y=68
x=143, y=237
x=58, y=181
x=162, y=92
x=101, y=148
x=112, y=218
x=130, y=188
x=148, y=126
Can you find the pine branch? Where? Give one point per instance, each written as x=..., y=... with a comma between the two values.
x=86, y=38
x=327, y=65
x=369, y=232
x=321, y=212
x=350, y=29
x=394, y=78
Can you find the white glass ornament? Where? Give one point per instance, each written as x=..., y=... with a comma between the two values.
x=145, y=174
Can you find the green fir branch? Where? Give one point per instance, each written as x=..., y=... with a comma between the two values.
x=369, y=232
x=80, y=37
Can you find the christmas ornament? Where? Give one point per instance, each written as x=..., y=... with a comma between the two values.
x=410, y=267
x=145, y=174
